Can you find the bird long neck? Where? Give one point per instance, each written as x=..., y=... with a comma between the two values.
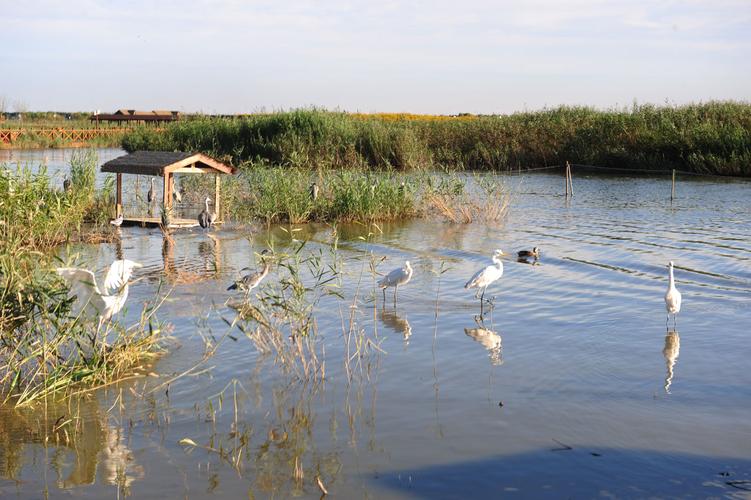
x=497, y=261
x=671, y=283
x=265, y=269
x=207, y=204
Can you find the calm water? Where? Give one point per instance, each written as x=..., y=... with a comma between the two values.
x=560, y=392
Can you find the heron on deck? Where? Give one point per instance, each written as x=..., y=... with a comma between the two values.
x=150, y=194
x=117, y=221
x=204, y=218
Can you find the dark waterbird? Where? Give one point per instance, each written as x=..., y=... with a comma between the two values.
x=250, y=281
x=204, y=218
x=525, y=254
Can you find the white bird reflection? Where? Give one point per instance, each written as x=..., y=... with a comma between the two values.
x=489, y=339
x=399, y=325
x=670, y=351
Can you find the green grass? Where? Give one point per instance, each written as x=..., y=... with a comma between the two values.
x=713, y=137
x=275, y=194
x=44, y=351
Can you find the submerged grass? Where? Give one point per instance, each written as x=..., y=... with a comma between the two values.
x=712, y=137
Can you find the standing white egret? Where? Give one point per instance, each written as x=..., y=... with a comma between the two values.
x=400, y=276
x=91, y=300
x=672, y=297
x=117, y=221
x=204, y=220
x=485, y=277
x=250, y=281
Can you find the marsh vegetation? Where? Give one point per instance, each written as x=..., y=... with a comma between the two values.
x=713, y=137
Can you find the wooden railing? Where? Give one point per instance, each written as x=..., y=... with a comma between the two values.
x=9, y=136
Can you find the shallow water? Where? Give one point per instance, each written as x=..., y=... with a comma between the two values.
x=570, y=386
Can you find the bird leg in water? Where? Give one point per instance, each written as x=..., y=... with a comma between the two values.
x=395, y=289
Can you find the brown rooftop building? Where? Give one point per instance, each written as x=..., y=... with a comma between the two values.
x=133, y=116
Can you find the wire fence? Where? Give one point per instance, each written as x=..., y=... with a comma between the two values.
x=626, y=170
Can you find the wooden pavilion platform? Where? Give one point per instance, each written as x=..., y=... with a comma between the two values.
x=166, y=164
x=157, y=221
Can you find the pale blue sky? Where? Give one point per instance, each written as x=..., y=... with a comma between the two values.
x=233, y=56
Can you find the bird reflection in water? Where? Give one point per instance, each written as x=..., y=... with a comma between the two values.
x=489, y=339
x=87, y=447
x=670, y=351
x=399, y=325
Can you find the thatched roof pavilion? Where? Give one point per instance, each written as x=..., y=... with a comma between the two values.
x=165, y=164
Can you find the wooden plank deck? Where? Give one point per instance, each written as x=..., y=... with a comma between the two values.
x=155, y=221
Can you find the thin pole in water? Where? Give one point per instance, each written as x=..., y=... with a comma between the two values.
x=672, y=189
x=566, y=180
x=570, y=180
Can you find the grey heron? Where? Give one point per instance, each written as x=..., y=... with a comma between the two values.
x=204, y=219
x=250, y=281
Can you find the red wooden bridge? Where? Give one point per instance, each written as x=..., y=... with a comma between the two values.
x=9, y=136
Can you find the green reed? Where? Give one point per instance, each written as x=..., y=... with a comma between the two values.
x=43, y=350
x=712, y=137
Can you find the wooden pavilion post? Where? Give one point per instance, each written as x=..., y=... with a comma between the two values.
x=217, y=185
x=119, y=202
x=167, y=195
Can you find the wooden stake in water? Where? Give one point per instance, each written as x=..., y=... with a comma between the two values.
x=672, y=189
x=566, y=179
x=570, y=180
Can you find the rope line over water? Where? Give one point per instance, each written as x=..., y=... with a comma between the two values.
x=623, y=169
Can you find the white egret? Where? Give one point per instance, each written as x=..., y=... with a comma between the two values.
x=250, y=281
x=117, y=221
x=535, y=253
x=400, y=276
x=91, y=300
x=485, y=277
x=672, y=297
x=203, y=218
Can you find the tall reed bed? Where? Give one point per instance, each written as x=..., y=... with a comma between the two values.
x=43, y=349
x=275, y=194
x=713, y=137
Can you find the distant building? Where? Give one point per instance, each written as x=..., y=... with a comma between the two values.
x=132, y=116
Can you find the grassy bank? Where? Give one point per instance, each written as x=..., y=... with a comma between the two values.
x=44, y=349
x=711, y=138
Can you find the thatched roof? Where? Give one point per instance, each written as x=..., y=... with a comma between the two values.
x=159, y=162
